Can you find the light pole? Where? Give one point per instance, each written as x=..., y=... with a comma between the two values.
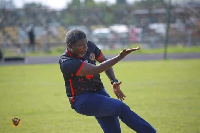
x=167, y=28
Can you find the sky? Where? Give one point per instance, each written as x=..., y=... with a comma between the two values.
x=56, y=4
x=60, y=4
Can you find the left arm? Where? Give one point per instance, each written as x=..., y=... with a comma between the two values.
x=109, y=72
x=116, y=85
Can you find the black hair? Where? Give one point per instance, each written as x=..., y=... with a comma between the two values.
x=73, y=36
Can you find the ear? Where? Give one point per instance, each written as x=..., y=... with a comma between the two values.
x=69, y=46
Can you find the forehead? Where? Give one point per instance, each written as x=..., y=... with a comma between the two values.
x=81, y=42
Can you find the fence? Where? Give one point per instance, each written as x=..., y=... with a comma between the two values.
x=108, y=27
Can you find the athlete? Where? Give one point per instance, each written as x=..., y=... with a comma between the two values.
x=85, y=90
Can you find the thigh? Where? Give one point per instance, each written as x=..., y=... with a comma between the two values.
x=94, y=104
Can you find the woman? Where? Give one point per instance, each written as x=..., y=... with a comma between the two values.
x=86, y=91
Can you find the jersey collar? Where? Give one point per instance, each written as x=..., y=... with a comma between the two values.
x=69, y=54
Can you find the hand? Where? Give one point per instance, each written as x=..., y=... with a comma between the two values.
x=125, y=52
x=116, y=88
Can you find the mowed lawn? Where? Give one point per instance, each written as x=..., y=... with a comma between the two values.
x=165, y=93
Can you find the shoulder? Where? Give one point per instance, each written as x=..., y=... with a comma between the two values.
x=63, y=58
x=66, y=59
x=91, y=44
x=70, y=64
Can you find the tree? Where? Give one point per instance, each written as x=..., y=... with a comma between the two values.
x=90, y=3
x=75, y=4
x=121, y=2
x=149, y=3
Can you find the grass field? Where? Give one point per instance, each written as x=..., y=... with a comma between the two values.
x=165, y=93
x=170, y=50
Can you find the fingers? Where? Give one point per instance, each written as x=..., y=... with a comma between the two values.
x=128, y=51
x=120, y=96
x=137, y=48
x=134, y=49
x=116, y=87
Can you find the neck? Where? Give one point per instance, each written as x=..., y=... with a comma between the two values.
x=68, y=51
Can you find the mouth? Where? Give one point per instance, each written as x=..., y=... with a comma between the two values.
x=85, y=51
x=82, y=54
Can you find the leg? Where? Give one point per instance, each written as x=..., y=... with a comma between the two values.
x=135, y=122
x=93, y=104
x=109, y=124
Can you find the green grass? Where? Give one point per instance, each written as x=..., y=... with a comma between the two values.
x=165, y=93
x=171, y=50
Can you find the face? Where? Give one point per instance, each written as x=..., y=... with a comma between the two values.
x=79, y=49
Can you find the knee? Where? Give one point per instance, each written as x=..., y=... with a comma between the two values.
x=123, y=108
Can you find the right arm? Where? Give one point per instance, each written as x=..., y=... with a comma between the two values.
x=89, y=69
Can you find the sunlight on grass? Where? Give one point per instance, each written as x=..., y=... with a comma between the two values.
x=171, y=50
x=165, y=93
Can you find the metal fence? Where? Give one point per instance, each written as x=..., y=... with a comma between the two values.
x=143, y=25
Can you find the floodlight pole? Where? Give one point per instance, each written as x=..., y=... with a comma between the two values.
x=167, y=28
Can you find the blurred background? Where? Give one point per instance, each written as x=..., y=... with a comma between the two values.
x=165, y=93
x=37, y=26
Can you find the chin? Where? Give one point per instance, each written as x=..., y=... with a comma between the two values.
x=81, y=55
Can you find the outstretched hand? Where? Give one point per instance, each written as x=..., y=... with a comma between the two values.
x=125, y=52
x=116, y=88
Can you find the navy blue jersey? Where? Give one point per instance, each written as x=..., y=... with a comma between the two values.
x=71, y=66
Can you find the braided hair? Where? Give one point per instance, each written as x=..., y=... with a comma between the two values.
x=74, y=36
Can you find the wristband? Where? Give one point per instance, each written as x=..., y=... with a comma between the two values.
x=114, y=81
